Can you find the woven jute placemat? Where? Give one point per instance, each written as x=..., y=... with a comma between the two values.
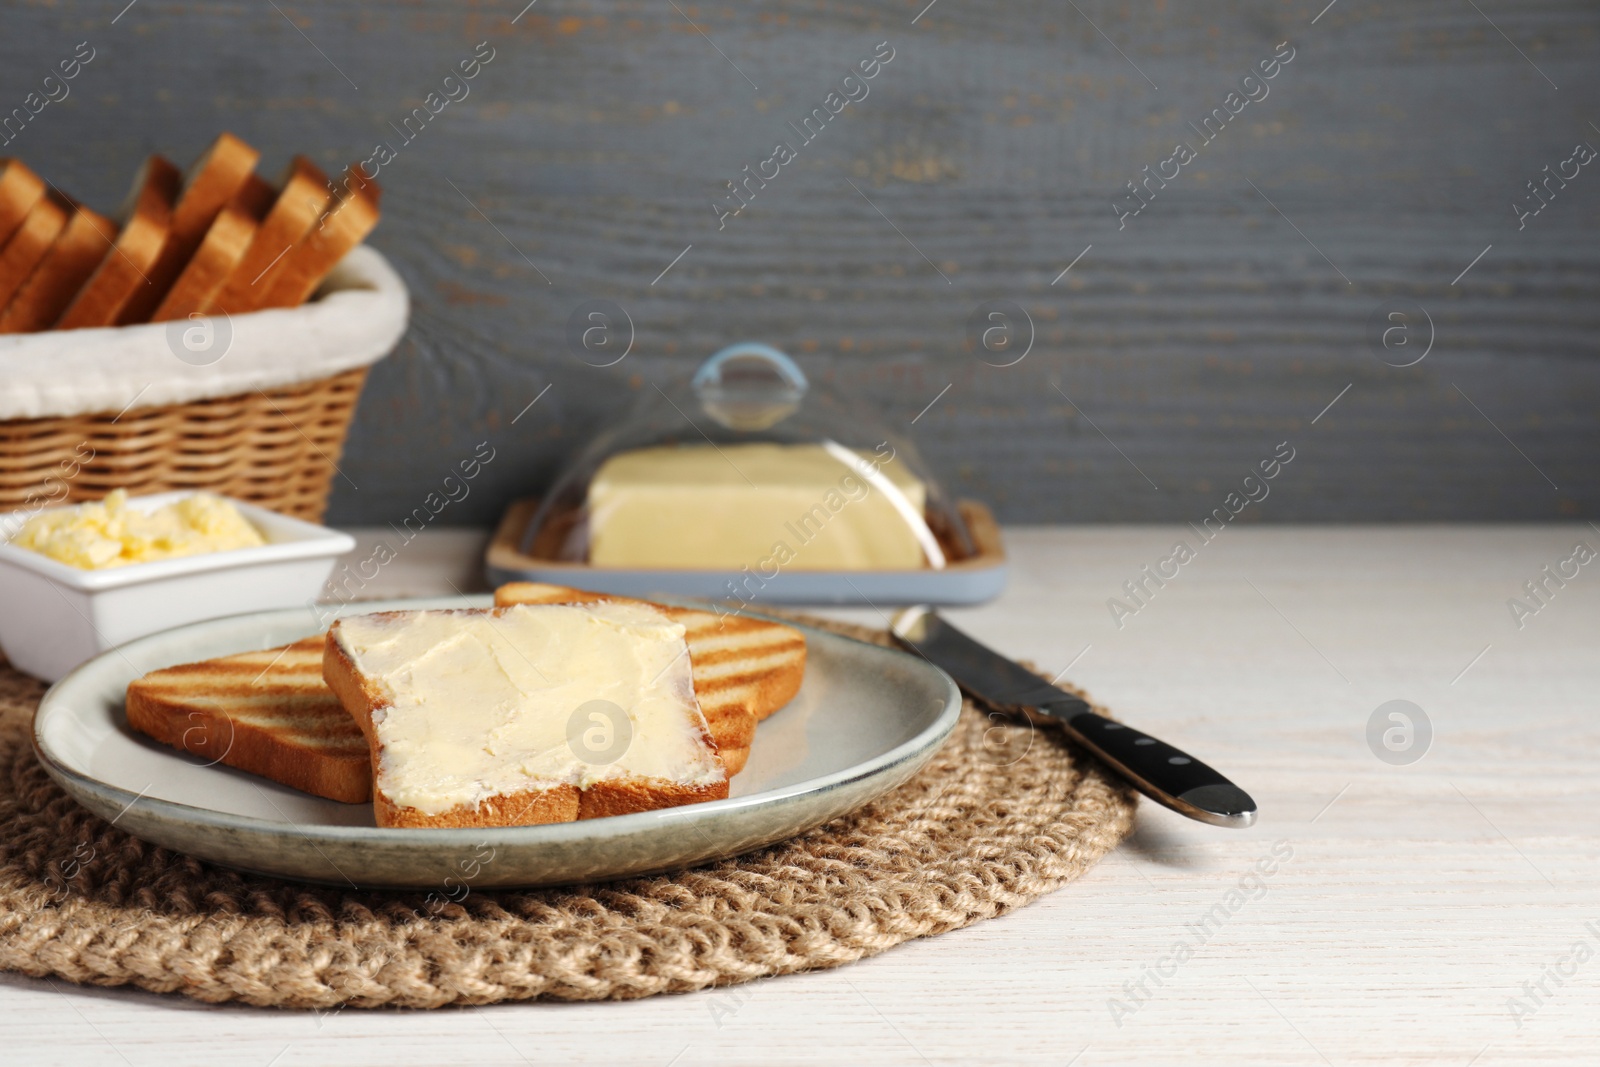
x=1003, y=814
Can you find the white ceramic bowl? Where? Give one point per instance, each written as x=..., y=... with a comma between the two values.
x=54, y=616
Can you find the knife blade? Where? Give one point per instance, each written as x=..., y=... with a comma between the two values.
x=1161, y=772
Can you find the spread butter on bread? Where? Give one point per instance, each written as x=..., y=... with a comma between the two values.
x=744, y=669
x=265, y=712
x=524, y=714
x=79, y=247
x=215, y=179
x=146, y=217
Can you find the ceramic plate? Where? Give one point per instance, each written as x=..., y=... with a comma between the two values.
x=864, y=721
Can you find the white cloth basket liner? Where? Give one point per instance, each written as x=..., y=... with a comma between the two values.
x=356, y=319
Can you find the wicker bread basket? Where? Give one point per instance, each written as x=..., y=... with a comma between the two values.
x=278, y=448
x=264, y=423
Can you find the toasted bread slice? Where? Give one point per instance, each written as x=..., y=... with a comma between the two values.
x=220, y=251
x=82, y=244
x=215, y=179
x=344, y=226
x=31, y=242
x=20, y=189
x=146, y=217
x=303, y=198
x=266, y=712
x=467, y=729
x=270, y=713
x=744, y=669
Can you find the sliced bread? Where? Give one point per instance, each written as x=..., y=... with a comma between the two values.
x=340, y=229
x=81, y=245
x=214, y=180
x=219, y=252
x=146, y=217
x=266, y=712
x=301, y=201
x=20, y=189
x=31, y=242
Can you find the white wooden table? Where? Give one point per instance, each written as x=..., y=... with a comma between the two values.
x=1417, y=902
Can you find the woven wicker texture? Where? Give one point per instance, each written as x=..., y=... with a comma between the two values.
x=276, y=448
x=999, y=817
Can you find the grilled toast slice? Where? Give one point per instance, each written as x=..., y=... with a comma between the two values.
x=214, y=180
x=265, y=712
x=146, y=217
x=744, y=669
x=483, y=717
x=20, y=189
x=218, y=253
x=302, y=198
x=81, y=245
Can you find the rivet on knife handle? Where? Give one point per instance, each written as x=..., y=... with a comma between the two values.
x=1165, y=774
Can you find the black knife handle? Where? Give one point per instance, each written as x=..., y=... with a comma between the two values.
x=1165, y=774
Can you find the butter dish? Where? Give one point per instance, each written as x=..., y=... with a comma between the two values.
x=57, y=615
x=747, y=484
x=974, y=580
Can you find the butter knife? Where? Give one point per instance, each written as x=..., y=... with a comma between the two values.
x=1163, y=773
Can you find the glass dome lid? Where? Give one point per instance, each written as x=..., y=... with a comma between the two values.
x=747, y=467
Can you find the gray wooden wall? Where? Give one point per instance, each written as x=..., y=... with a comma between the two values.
x=1222, y=320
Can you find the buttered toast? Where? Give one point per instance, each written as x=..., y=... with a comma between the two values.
x=744, y=669
x=524, y=714
x=270, y=712
x=265, y=712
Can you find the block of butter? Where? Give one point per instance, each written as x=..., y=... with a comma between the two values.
x=759, y=505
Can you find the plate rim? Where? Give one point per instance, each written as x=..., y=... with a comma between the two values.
x=72, y=780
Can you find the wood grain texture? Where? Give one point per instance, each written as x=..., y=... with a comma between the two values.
x=1417, y=900
x=1189, y=343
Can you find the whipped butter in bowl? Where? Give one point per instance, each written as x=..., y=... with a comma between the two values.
x=83, y=578
x=110, y=533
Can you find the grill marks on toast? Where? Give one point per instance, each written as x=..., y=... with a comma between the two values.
x=268, y=712
x=735, y=669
